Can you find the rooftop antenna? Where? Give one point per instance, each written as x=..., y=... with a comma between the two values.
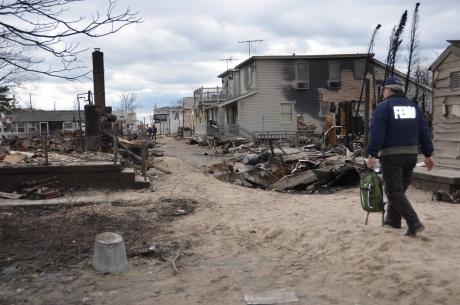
x=249, y=44
x=228, y=60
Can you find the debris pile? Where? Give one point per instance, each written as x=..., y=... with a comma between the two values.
x=443, y=196
x=313, y=168
x=60, y=149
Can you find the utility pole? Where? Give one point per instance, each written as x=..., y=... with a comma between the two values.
x=249, y=44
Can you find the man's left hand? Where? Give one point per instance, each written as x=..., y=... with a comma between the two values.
x=429, y=163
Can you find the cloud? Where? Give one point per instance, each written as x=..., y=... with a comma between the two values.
x=181, y=45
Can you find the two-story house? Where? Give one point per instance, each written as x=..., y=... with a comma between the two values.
x=168, y=119
x=268, y=94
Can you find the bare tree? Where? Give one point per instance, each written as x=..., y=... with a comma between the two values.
x=12, y=74
x=395, y=42
x=177, y=103
x=423, y=80
x=413, y=46
x=128, y=102
x=45, y=25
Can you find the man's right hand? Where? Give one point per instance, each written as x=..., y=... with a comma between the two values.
x=370, y=162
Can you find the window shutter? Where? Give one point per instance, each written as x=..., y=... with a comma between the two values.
x=455, y=80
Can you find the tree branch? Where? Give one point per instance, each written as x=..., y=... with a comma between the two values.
x=42, y=24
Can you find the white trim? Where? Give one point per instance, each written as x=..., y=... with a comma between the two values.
x=236, y=99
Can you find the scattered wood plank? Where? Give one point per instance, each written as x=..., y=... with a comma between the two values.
x=271, y=297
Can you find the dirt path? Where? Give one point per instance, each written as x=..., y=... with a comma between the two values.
x=238, y=241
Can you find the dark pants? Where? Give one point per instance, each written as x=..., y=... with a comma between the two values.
x=397, y=173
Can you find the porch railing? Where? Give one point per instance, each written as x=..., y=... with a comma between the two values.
x=293, y=138
x=210, y=94
x=235, y=130
x=223, y=132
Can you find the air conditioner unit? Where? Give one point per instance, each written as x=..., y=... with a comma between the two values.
x=303, y=85
x=333, y=84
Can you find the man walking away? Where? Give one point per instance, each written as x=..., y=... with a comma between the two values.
x=397, y=131
x=150, y=132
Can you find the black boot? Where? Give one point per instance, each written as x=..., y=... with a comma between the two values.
x=393, y=224
x=414, y=229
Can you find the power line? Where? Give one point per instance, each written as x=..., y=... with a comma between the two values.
x=249, y=44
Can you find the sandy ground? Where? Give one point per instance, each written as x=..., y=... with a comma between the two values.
x=242, y=241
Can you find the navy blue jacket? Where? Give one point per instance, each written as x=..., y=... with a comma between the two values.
x=397, y=121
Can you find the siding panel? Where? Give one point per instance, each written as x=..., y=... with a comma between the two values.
x=446, y=126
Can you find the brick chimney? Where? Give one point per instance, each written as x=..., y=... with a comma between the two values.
x=98, y=78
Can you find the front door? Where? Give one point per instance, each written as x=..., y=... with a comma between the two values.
x=43, y=127
x=232, y=114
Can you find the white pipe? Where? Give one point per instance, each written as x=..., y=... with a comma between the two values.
x=328, y=131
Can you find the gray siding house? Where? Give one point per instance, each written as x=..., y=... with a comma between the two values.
x=268, y=94
x=446, y=102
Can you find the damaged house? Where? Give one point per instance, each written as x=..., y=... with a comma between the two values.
x=446, y=114
x=187, y=110
x=167, y=119
x=444, y=180
x=277, y=96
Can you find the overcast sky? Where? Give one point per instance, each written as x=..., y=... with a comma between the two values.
x=181, y=44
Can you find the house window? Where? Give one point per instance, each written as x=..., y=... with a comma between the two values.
x=250, y=72
x=31, y=127
x=334, y=75
x=225, y=86
x=286, y=113
x=455, y=80
x=324, y=108
x=360, y=65
x=302, y=76
x=21, y=127
x=67, y=125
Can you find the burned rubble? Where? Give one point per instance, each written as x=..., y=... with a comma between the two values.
x=274, y=165
x=61, y=149
x=312, y=168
